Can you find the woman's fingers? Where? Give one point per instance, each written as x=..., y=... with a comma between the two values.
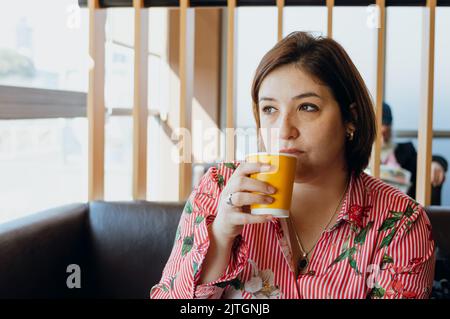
x=248, y=184
x=245, y=191
x=251, y=168
x=241, y=182
x=242, y=199
x=239, y=218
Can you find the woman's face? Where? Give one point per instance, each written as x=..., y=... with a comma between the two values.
x=301, y=113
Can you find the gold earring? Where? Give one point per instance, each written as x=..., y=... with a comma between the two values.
x=350, y=136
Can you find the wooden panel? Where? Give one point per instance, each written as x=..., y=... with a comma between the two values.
x=186, y=69
x=280, y=7
x=425, y=139
x=140, y=108
x=381, y=52
x=206, y=109
x=330, y=5
x=96, y=102
x=229, y=128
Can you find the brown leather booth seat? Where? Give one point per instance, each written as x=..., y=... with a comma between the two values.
x=120, y=247
x=440, y=221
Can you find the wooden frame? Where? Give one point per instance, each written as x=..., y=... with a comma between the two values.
x=375, y=159
x=96, y=102
x=330, y=5
x=229, y=138
x=186, y=73
x=256, y=3
x=140, y=104
x=425, y=138
x=280, y=7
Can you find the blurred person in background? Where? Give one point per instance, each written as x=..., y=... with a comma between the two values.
x=404, y=155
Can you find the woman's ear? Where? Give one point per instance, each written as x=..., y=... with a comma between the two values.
x=350, y=126
x=350, y=131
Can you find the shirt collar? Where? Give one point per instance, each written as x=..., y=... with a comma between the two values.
x=354, y=204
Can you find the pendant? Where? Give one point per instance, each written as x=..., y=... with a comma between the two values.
x=302, y=263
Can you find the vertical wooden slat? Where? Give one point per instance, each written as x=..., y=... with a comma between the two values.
x=280, y=7
x=381, y=52
x=330, y=5
x=186, y=71
x=96, y=102
x=230, y=141
x=140, y=108
x=207, y=74
x=425, y=137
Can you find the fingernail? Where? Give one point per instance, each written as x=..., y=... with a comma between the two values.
x=269, y=199
x=271, y=189
x=265, y=168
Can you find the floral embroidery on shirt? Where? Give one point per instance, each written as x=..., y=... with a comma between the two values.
x=395, y=288
x=188, y=242
x=359, y=240
x=386, y=261
x=356, y=213
x=261, y=284
x=230, y=165
x=390, y=224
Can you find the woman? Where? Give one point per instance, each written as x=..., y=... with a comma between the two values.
x=348, y=236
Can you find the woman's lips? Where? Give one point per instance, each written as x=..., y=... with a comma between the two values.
x=293, y=151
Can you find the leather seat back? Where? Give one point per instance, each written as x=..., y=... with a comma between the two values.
x=130, y=243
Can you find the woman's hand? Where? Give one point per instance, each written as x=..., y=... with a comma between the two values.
x=230, y=220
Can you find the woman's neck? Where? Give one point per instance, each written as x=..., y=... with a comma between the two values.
x=319, y=194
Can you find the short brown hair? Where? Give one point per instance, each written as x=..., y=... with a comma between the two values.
x=327, y=61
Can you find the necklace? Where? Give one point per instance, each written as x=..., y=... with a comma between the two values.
x=303, y=260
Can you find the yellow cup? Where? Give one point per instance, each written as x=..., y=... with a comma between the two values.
x=281, y=176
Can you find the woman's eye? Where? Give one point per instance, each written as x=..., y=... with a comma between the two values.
x=308, y=107
x=266, y=109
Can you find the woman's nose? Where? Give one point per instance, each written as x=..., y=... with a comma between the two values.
x=288, y=130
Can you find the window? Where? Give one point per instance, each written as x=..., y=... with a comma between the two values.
x=118, y=157
x=250, y=48
x=44, y=44
x=160, y=77
x=43, y=163
x=404, y=48
x=43, y=82
x=119, y=58
x=310, y=19
x=119, y=83
x=359, y=38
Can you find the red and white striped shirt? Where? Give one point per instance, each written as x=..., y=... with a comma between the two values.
x=380, y=247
